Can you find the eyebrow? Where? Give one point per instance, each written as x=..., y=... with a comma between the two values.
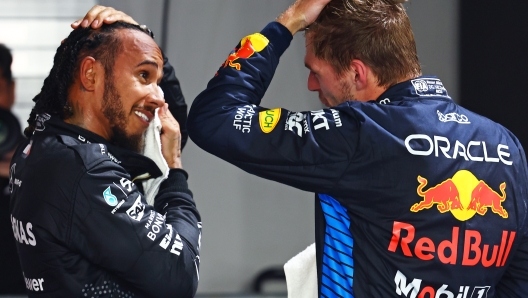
x=148, y=62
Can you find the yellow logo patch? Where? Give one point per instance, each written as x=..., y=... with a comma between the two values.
x=268, y=119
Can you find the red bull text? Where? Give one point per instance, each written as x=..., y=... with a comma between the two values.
x=464, y=196
x=473, y=253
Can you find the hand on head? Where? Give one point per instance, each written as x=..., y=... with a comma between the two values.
x=301, y=14
x=102, y=14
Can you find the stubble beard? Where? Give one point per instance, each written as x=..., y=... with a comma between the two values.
x=345, y=95
x=113, y=111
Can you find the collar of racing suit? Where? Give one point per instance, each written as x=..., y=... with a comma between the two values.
x=420, y=87
x=137, y=165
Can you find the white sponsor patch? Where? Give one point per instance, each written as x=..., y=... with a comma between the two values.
x=319, y=120
x=429, y=87
x=136, y=211
x=34, y=284
x=453, y=117
x=295, y=122
x=243, y=118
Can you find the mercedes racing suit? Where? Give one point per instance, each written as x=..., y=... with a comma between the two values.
x=82, y=225
x=415, y=195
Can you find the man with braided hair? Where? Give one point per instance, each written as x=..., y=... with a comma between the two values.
x=415, y=195
x=81, y=222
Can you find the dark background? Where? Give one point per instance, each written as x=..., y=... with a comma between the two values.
x=494, y=62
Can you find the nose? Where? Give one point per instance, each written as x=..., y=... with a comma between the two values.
x=156, y=97
x=313, y=83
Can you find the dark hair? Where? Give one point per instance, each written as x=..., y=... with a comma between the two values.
x=377, y=32
x=5, y=62
x=102, y=44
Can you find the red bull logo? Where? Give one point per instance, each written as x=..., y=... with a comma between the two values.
x=249, y=45
x=463, y=195
x=467, y=248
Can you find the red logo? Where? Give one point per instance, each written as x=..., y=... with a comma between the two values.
x=473, y=251
x=445, y=195
x=463, y=195
x=245, y=51
x=249, y=45
x=483, y=197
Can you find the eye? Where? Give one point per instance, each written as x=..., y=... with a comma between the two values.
x=144, y=75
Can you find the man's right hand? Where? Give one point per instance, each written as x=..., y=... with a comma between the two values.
x=98, y=15
x=170, y=138
x=301, y=14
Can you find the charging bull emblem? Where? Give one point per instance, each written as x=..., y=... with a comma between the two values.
x=463, y=195
x=248, y=46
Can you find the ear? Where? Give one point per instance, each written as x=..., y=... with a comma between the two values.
x=360, y=72
x=89, y=73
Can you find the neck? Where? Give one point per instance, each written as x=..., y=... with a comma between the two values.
x=374, y=91
x=87, y=113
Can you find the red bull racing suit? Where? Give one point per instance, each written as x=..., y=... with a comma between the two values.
x=415, y=195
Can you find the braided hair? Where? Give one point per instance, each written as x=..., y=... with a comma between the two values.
x=102, y=44
x=6, y=59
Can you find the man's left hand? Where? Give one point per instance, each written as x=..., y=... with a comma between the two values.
x=301, y=14
x=102, y=14
x=170, y=138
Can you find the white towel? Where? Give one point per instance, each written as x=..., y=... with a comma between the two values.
x=152, y=150
x=301, y=274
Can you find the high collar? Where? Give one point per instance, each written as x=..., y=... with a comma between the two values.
x=420, y=87
x=137, y=165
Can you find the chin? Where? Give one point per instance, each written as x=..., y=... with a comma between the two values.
x=133, y=142
x=324, y=101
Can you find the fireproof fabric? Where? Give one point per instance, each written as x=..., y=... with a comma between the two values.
x=83, y=227
x=433, y=196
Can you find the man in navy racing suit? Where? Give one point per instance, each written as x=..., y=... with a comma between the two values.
x=415, y=195
x=81, y=222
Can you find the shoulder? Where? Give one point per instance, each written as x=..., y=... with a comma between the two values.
x=91, y=154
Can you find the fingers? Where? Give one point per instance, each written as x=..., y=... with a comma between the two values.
x=301, y=14
x=102, y=14
x=170, y=138
x=167, y=118
x=88, y=18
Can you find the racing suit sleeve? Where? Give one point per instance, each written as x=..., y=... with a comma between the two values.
x=514, y=282
x=307, y=150
x=154, y=249
x=174, y=97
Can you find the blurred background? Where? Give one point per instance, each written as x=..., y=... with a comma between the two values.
x=250, y=224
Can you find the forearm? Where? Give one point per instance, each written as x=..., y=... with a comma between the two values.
x=175, y=200
x=126, y=239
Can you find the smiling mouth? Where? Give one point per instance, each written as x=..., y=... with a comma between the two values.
x=141, y=115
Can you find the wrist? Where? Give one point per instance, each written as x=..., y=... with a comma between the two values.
x=175, y=164
x=292, y=22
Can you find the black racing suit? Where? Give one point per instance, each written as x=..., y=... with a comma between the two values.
x=82, y=225
x=416, y=196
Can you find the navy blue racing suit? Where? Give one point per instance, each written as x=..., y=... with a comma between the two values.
x=415, y=195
